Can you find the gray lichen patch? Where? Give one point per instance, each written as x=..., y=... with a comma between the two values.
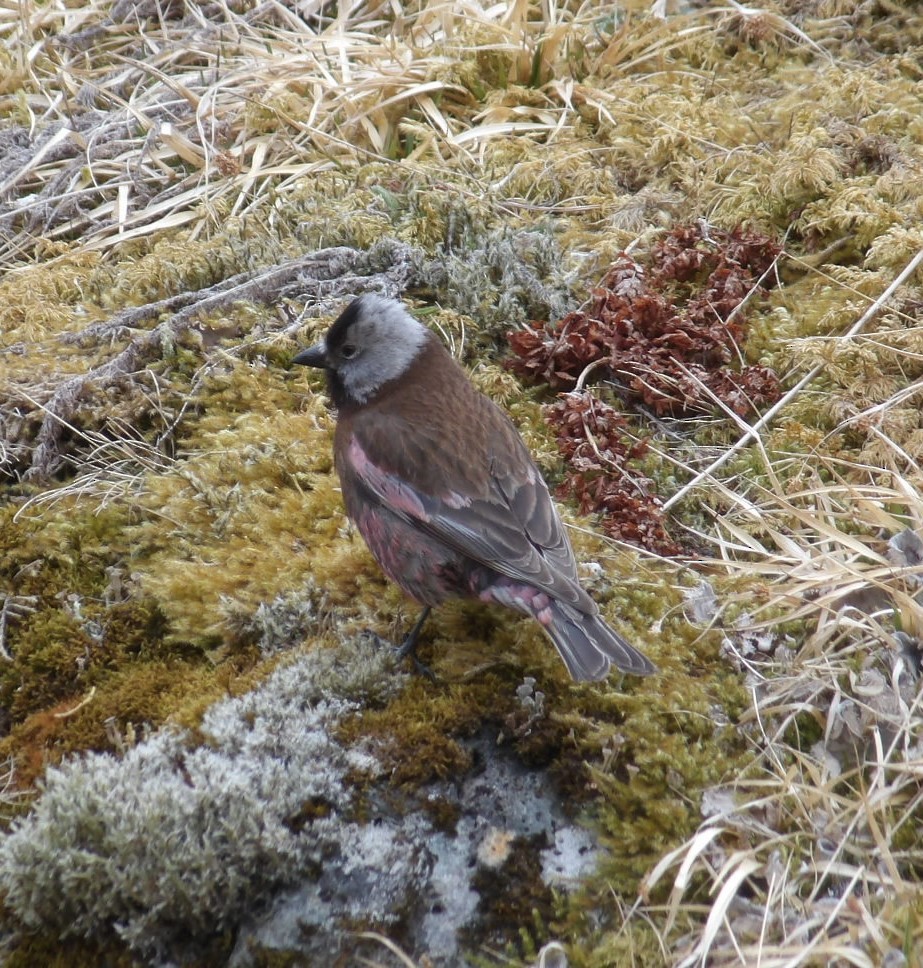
x=435, y=889
x=170, y=845
x=272, y=831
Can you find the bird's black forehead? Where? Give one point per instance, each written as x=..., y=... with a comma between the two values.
x=336, y=335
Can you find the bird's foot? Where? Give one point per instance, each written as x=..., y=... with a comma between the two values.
x=419, y=667
x=409, y=647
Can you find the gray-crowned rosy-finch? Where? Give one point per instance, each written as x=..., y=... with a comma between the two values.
x=445, y=493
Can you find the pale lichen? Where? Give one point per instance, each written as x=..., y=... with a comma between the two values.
x=172, y=843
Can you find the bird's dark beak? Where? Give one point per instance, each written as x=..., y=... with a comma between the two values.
x=315, y=355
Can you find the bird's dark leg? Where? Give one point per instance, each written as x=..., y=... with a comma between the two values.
x=409, y=646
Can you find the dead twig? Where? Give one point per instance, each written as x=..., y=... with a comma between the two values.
x=327, y=274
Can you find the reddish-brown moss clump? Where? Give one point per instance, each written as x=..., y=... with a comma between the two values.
x=669, y=335
x=591, y=437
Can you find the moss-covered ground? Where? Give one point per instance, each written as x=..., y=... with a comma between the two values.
x=170, y=522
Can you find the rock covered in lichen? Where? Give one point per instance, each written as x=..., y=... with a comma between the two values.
x=174, y=842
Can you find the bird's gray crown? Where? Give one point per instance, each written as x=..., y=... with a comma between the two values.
x=373, y=341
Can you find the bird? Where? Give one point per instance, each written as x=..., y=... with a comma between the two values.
x=443, y=489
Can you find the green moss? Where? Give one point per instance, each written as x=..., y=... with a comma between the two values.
x=65, y=549
x=515, y=905
x=904, y=916
x=54, y=649
x=39, y=304
x=238, y=524
x=418, y=733
x=634, y=942
x=91, y=666
x=135, y=699
x=62, y=636
x=264, y=958
x=443, y=813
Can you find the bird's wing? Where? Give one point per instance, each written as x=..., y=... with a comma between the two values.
x=498, y=513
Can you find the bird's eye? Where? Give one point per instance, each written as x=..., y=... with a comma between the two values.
x=348, y=351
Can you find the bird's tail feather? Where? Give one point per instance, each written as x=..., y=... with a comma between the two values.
x=589, y=646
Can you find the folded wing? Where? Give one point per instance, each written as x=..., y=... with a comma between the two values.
x=510, y=524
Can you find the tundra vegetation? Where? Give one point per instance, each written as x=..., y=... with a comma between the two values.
x=682, y=244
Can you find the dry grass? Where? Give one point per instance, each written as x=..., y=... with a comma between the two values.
x=188, y=122
x=195, y=122
x=188, y=116
x=814, y=855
